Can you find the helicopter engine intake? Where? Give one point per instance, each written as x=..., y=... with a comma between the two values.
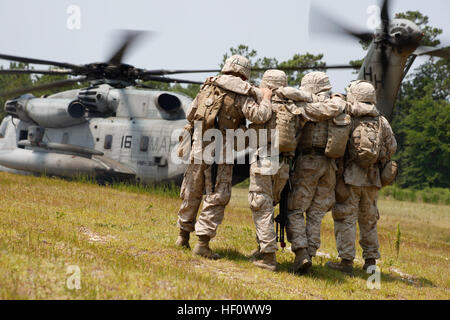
x=46, y=112
x=168, y=102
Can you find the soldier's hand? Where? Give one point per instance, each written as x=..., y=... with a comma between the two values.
x=338, y=95
x=267, y=93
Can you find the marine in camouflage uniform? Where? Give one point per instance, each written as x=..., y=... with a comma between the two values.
x=239, y=103
x=362, y=186
x=268, y=179
x=314, y=176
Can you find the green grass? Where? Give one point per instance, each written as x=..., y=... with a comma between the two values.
x=428, y=195
x=122, y=239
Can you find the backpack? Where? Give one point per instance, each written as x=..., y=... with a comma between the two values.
x=287, y=125
x=338, y=134
x=365, y=141
x=216, y=108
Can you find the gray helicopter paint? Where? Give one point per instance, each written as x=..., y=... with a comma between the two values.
x=372, y=68
x=137, y=116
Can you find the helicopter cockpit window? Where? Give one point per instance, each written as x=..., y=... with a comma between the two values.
x=108, y=142
x=144, y=143
x=23, y=135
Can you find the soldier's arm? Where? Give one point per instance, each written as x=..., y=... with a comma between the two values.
x=294, y=94
x=192, y=110
x=323, y=110
x=257, y=113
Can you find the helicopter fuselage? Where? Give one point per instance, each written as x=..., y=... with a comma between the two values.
x=135, y=132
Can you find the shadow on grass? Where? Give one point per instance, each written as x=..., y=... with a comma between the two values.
x=321, y=272
x=231, y=254
x=387, y=277
x=316, y=272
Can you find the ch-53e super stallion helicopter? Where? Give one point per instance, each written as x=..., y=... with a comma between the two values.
x=117, y=129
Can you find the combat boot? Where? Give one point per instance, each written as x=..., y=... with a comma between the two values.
x=368, y=263
x=268, y=261
x=345, y=266
x=183, y=239
x=302, y=262
x=202, y=248
x=256, y=254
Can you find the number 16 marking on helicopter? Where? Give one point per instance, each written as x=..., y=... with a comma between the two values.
x=126, y=142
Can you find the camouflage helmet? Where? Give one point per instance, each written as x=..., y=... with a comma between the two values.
x=361, y=91
x=238, y=64
x=273, y=79
x=316, y=82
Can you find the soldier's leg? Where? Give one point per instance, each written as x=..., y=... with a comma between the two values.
x=304, y=182
x=367, y=220
x=305, y=179
x=191, y=193
x=261, y=204
x=323, y=201
x=345, y=216
x=215, y=202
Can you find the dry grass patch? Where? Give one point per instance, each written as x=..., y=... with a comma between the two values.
x=123, y=242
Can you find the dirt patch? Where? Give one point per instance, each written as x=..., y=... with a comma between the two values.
x=95, y=237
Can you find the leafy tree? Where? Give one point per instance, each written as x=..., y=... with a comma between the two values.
x=420, y=119
x=190, y=90
x=298, y=60
x=12, y=81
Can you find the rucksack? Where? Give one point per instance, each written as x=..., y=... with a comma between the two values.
x=210, y=101
x=338, y=135
x=365, y=141
x=287, y=126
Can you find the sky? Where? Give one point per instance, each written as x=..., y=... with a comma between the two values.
x=192, y=34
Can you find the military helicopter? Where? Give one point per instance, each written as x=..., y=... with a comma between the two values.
x=117, y=128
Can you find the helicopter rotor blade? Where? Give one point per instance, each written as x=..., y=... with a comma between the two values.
x=52, y=85
x=169, y=80
x=385, y=17
x=40, y=61
x=130, y=38
x=162, y=72
x=32, y=71
x=433, y=51
x=301, y=68
x=320, y=22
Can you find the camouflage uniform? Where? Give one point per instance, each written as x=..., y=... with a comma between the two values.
x=265, y=185
x=363, y=185
x=197, y=179
x=314, y=176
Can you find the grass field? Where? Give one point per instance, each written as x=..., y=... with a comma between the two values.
x=122, y=241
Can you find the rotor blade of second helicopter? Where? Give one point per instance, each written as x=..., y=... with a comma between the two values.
x=52, y=85
x=385, y=16
x=320, y=22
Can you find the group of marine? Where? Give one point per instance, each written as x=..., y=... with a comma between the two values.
x=334, y=152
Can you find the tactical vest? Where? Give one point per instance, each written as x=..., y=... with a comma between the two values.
x=314, y=135
x=285, y=122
